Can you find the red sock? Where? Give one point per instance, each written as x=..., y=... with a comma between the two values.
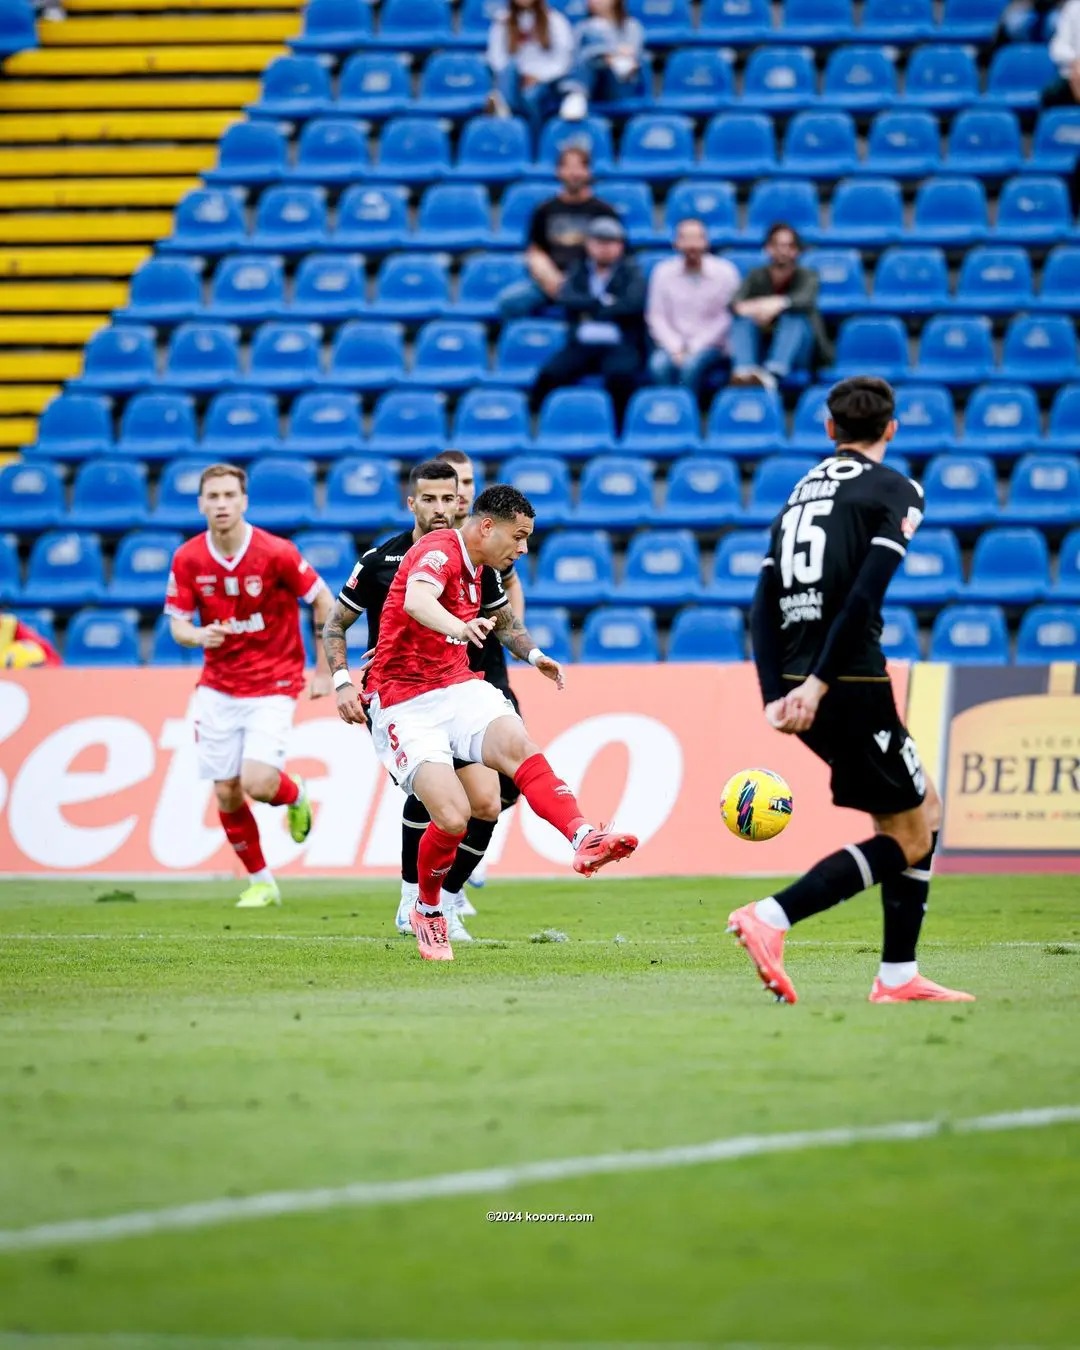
x=437, y=849
x=287, y=791
x=549, y=796
x=242, y=832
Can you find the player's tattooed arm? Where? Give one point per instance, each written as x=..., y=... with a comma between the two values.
x=512, y=633
x=338, y=622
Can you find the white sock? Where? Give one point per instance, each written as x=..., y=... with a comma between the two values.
x=451, y=899
x=581, y=834
x=769, y=911
x=428, y=909
x=410, y=892
x=264, y=874
x=893, y=974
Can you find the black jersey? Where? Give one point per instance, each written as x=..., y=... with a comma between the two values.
x=490, y=659
x=844, y=507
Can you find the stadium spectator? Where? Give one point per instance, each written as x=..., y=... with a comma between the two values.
x=530, y=51
x=605, y=297
x=689, y=310
x=776, y=303
x=22, y=646
x=608, y=55
x=52, y=11
x=1065, y=54
x=556, y=236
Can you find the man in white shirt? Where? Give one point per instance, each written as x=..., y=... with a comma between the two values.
x=1065, y=47
x=689, y=310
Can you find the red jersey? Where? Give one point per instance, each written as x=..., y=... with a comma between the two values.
x=410, y=659
x=254, y=594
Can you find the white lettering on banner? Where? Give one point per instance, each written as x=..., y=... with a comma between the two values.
x=653, y=777
x=384, y=842
x=180, y=838
x=45, y=785
x=343, y=795
x=14, y=710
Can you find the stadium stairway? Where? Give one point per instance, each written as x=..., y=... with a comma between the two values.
x=103, y=128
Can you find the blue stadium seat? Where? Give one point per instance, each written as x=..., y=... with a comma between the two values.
x=713, y=203
x=793, y=203
x=449, y=354
x=736, y=567
x=931, y=573
x=576, y=423
x=1010, y=566
x=592, y=133
x=736, y=145
x=1064, y=430
x=363, y=494
x=494, y=149
x=1045, y=489
x=1019, y=73
x=31, y=496
x=102, y=637
x=330, y=552
x=871, y=347
x=10, y=571
x=409, y=423
x=157, y=426
x=474, y=23
x=900, y=634
x=166, y=651
x=328, y=287
x=335, y=26
x=841, y=277
x=141, y=568
x=926, y=416
x=208, y=220
x=995, y=281
x=860, y=79
x=372, y=219
x=1068, y=582
x=772, y=484
x=575, y=569
x=985, y=142
x=1060, y=279
x=250, y=152
x=700, y=634
x=74, y=426
x=942, y=77
x=239, y=425
x=324, y=424
x=1033, y=210
x=616, y=491
x=523, y=347
x=779, y=79
x=373, y=84
x=65, y=570
x=331, y=150
x=617, y=633
x=950, y=211
x=281, y=493
x=119, y=358
x=1040, y=350
x=911, y=280
x=808, y=426
x=247, y=288
x=411, y=286
x=545, y=480
x=366, y=356
x=414, y=25
x=454, y=216
x=661, y=423
x=483, y=279
x=203, y=357
x=491, y=423
x=551, y=628
x=454, y=84
x=1002, y=420
x=413, y=150
x=516, y=211
x=663, y=568
x=1056, y=143
x=970, y=635
x=745, y=422
x=634, y=204
x=820, y=145
x=178, y=494
x=294, y=86
x=290, y=220
x=971, y=20
x=903, y=144
x=867, y=211
x=1049, y=633
x=735, y=22
x=657, y=145
x=897, y=21
x=702, y=490
x=818, y=21
x=956, y=351
x=164, y=290
x=696, y=81
x=285, y=356
x=17, y=29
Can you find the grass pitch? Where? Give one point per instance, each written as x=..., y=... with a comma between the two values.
x=170, y=1049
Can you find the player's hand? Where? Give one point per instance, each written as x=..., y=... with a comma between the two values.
x=776, y=714
x=319, y=685
x=476, y=631
x=349, y=707
x=803, y=702
x=213, y=635
x=548, y=666
x=365, y=660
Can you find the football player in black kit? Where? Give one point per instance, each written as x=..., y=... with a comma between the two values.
x=816, y=628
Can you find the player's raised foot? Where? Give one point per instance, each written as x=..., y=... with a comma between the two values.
x=918, y=990
x=765, y=947
x=601, y=847
x=299, y=812
x=259, y=895
x=431, y=935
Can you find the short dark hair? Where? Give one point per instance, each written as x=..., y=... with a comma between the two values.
x=431, y=469
x=452, y=457
x=575, y=147
x=503, y=502
x=861, y=408
x=780, y=226
x=222, y=471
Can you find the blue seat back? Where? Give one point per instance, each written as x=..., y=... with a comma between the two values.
x=970, y=635
x=714, y=634
x=102, y=637
x=1049, y=633
x=616, y=633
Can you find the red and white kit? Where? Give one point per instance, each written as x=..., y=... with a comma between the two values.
x=249, y=685
x=426, y=705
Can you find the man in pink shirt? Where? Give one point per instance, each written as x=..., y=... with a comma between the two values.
x=689, y=310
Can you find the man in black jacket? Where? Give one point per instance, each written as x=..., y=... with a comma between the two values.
x=604, y=296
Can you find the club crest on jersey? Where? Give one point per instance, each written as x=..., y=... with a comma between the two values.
x=232, y=586
x=253, y=586
x=436, y=560
x=354, y=576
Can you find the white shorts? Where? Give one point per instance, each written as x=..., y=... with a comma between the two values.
x=436, y=728
x=229, y=730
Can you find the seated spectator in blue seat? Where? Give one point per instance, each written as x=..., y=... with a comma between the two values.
x=556, y=242
x=777, y=304
x=605, y=298
x=689, y=310
x=608, y=52
x=530, y=51
x=1065, y=54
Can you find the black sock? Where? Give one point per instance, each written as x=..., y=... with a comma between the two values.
x=469, y=852
x=509, y=791
x=842, y=875
x=903, y=901
x=414, y=821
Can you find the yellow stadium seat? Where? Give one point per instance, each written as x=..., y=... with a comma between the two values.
x=16, y=432
x=179, y=60
x=85, y=128
x=217, y=28
x=93, y=260
x=26, y=398
x=17, y=367
x=65, y=297
x=121, y=160
x=51, y=330
x=37, y=95
x=91, y=192
x=72, y=227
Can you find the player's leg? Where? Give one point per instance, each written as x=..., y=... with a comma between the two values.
x=482, y=788
x=242, y=832
x=267, y=726
x=509, y=792
x=436, y=784
x=414, y=821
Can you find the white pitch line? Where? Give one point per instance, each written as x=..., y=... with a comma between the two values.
x=366, y=1194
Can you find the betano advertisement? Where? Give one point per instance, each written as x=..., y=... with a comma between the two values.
x=98, y=774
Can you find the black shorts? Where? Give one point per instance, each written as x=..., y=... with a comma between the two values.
x=875, y=764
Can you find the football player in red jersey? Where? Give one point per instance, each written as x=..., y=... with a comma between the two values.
x=245, y=585
x=428, y=707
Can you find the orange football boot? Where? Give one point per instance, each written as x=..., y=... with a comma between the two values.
x=602, y=847
x=918, y=990
x=431, y=936
x=765, y=947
